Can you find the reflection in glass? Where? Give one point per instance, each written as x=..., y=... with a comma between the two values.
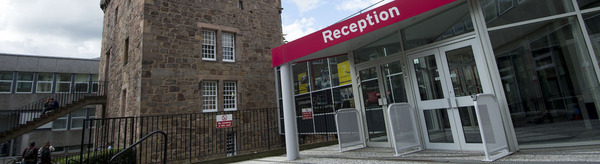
x=428, y=78
x=394, y=83
x=322, y=102
x=587, y=4
x=343, y=98
x=386, y=46
x=300, y=75
x=501, y=12
x=463, y=72
x=450, y=23
x=374, y=111
x=592, y=22
x=438, y=126
x=468, y=119
x=551, y=87
x=304, y=125
x=320, y=74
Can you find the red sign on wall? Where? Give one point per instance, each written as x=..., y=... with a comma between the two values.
x=224, y=121
x=307, y=113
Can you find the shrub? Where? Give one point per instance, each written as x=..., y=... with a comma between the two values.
x=103, y=157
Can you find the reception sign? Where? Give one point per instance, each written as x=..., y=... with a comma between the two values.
x=358, y=25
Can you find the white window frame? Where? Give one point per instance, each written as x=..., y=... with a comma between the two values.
x=86, y=83
x=230, y=102
x=75, y=149
x=66, y=118
x=95, y=83
x=209, y=39
x=8, y=81
x=58, y=82
x=19, y=81
x=228, y=46
x=51, y=82
x=91, y=111
x=84, y=110
x=210, y=96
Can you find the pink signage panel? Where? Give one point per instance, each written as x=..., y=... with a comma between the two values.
x=366, y=22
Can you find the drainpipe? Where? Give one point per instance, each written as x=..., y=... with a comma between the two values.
x=289, y=113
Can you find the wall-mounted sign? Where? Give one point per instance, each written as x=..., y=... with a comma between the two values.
x=224, y=121
x=344, y=73
x=302, y=83
x=307, y=113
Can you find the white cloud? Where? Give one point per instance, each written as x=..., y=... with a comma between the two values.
x=356, y=5
x=299, y=29
x=65, y=28
x=306, y=5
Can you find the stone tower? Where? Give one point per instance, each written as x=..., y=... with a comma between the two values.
x=186, y=56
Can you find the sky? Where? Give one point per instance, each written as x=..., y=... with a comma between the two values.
x=73, y=28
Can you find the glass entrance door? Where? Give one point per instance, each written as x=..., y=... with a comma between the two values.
x=444, y=79
x=380, y=85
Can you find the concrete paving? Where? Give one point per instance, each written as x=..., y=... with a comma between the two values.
x=331, y=154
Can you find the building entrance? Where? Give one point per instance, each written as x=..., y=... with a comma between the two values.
x=380, y=85
x=444, y=79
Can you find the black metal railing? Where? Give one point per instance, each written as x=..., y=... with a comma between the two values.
x=116, y=158
x=192, y=137
x=22, y=115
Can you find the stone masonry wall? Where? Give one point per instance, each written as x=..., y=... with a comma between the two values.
x=122, y=73
x=172, y=68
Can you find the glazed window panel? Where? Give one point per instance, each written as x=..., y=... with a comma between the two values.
x=63, y=82
x=228, y=40
x=386, y=46
x=209, y=44
x=502, y=12
x=24, y=82
x=77, y=118
x=95, y=83
x=82, y=83
x=301, y=78
x=340, y=71
x=6, y=80
x=60, y=123
x=209, y=96
x=320, y=74
x=230, y=95
x=44, y=82
x=549, y=81
x=588, y=4
x=450, y=23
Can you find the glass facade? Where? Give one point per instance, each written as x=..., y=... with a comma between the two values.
x=547, y=72
x=453, y=22
x=321, y=87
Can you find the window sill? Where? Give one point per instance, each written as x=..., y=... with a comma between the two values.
x=209, y=110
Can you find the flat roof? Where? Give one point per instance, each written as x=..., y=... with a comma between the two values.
x=378, y=18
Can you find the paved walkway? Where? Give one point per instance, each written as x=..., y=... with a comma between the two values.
x=330, y=154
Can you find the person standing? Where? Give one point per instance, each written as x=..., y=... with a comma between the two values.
x=45, y=151
x=30, y=154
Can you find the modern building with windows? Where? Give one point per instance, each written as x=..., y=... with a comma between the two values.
x=538, y=58
x=25, y=79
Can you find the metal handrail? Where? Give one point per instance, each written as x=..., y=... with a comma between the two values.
x=26, y=113
x=140, y=141
x=68, y=161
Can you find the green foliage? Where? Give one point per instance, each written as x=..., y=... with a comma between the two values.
x=103, y=156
